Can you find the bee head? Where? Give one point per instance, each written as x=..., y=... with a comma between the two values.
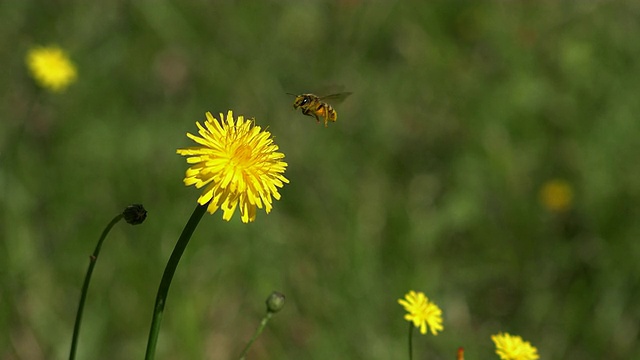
x=304, y=100
x=300, y=100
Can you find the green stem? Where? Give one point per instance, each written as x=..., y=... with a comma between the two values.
x=172, y=264
x=410, y=341
x=263, y=324
x=85, y=287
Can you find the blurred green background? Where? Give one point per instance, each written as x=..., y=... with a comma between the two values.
x=430, y=179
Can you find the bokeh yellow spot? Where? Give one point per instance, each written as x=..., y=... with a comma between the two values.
x=556, y=195
x=51, y=68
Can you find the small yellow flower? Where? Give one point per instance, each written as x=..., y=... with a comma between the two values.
x=514, y=348
x=422, y=312
x=556, y=195
x=51, y=68
x=237, y=163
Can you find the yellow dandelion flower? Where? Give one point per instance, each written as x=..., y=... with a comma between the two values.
x=556, y=195
x=51, y=68
x=236, y=163
x=422, y=312
x=514, y=348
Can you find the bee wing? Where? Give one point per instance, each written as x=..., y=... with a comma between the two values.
x=336, y=98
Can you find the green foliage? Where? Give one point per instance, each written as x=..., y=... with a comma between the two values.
x=429, y=179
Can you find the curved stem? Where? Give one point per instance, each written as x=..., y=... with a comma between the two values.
x=263, y=323
x=169, y=270
x=85, y=287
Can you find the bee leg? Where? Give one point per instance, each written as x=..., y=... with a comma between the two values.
x=309, y=113
x=316, y=116
x=326, y=122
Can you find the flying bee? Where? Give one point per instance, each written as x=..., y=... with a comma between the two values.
x=316, y=106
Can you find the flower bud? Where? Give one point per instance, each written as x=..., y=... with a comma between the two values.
x=135, y=214
x=275, y=302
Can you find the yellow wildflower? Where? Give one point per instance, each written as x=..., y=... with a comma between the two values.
x=51, y=68
x=510, y=347
x=422, y=312
x=237, y=163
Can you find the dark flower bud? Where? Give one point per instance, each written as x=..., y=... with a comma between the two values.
x=134, y=214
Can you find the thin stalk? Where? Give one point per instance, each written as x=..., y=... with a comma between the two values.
x=169, y=270
x=85, y=287
x=263, y=324
x=411, y=341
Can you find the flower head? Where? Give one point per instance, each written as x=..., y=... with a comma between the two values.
x=275, y=302
x=51, y=68
x=514, y=348
x=422, y=312
x=135, y=214
x=556, y=195
x=237, y=163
